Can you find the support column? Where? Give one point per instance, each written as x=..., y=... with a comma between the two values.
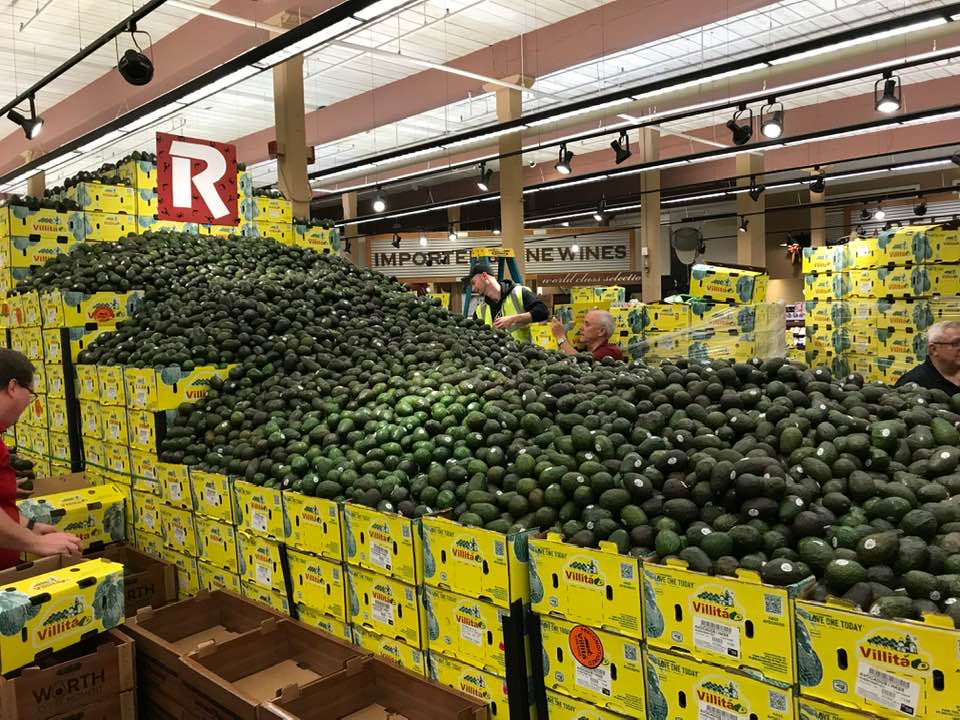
x=358, y=245
x=818, y=219
x=290, y=121
x=751, y=245
x=510, y=107
x=453, y=219
x=648, y=241
x=36, y=183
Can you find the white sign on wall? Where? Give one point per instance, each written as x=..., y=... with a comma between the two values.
x=441, y=257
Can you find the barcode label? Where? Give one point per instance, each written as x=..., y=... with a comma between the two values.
x=210, y=495
x=174, y=491
x=259, y=520
x=595, y=680
x=264, y=575
x=382, y=612
x=715, y=637
x=887, y=690
x=712, y=712
x=773, y=604
x=380, y=555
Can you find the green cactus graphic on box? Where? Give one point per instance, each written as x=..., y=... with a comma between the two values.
x=811, y=669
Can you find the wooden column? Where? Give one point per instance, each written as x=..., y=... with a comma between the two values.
x=751, y=245
x=358, y=245
x=453, y=219
x=289, y=116
x=818, y=219
x=37, y=182
x=647, y=241
x=510, y=107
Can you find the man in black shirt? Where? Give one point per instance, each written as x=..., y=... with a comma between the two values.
x=941, y=369
x=504, y=304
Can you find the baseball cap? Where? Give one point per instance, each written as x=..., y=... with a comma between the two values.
x=481, y=267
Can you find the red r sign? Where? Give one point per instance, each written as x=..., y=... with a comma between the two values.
x=196, y=181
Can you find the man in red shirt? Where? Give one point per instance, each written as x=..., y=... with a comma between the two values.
x=598, y=327
x=17, y=534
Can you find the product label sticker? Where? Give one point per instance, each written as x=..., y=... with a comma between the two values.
x=175, y=491
x=264, y=575
x=888, y=690
x=382, y=612
x=140, y=396
x=586, y=646
x=596, y=680
x=706, y=711
x=258, y=519
x=181, y=535
x=381, y=556
x=210, y=495
x=144, y=435
x=470, y=632
x=150, y=520
x=716, y=637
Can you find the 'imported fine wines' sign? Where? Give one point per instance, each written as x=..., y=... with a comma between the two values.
x=441, y=257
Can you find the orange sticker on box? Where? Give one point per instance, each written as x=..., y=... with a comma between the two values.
x=586, y=647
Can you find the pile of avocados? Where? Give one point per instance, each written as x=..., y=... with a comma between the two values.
x=342, y=385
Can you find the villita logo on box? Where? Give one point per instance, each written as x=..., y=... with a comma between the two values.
x=725, y=696
x=584, y=572
x=467, y=549
x=718, y=605
x=383, y=593
x=379, y=531
x=902, y=652
x=473, y=685
x=198, y=388
x=63, y=621
x=469, y=615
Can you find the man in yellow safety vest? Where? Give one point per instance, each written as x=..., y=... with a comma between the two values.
x=504, y=304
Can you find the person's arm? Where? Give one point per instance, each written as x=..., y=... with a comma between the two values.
x=15, y=536
x=560, y=333
x=534, y=307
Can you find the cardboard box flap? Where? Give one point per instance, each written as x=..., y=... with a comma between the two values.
x=60, y=483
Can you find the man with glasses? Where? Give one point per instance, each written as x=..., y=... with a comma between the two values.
x=17, y=534
x=941, y=369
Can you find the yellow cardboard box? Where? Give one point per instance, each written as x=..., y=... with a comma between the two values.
x=147, y=206
x=176, y=487
x=864, y=253
x=810, y=709
x=331, y=626
x=314, y=525
x=52, y=611
x=213, y=495
x=406, y=656
x=188, y=572
x=717, y=619
x=683, y=688
x=113, y=418
x=168, y=388
x=94, y=514
x=889, y=667
x=35, y=414
x=94, y=453
x=147, y=512
x=906, y=246
x=599, y=588
x=728, y=285
x=908, y=346
x=465, y=628
x=179, y=530
x=216, y=578
x=60, y=446
x=384, y=542
x=143, y=429
x=57, y=419
x=827, y=312
x=944, y=244
x=112, y=390
x=593, y=665
x=825, y=259
x=321, y=240
x=98, y=197
x=54, y=381
x=387, y=606
x=319, y=584
x=667, y=317
x=260, y=594
x=260, y=510
x=260, y=562
x=943, y=280
x=34, y=251
x=117, y=459
x=21, y=221
x=474, y=562
x=90, y=423
x=217, y=543
x=148, y=542
x=273, y=210
x=827, y=286
x=561, y=707
x=280, y=232
x=143, y=465
x=140, y=173
x=88, y=385
x=104, y=308
x=109, y=227
x=478, y=684
x=52, y=346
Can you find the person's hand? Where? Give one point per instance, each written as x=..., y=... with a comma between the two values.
x=43, y=529
x=56, y=543
x=24, y=492
x=556, y=327
x=505, y=323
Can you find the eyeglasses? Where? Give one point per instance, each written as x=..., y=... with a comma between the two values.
x=952, y=343
x=33, y=395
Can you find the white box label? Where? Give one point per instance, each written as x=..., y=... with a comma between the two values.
x=382, y=612
x=596, y=680
x=887, y=689
x=716, y=637
x=381, y=556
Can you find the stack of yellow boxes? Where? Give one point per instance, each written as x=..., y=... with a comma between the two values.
x=588, y=609
x=477, y=589
x=872, y=317
x=326, y=241
x=385, y=603
x=726, y=643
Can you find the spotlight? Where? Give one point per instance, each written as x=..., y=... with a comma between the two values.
x=600, y=214
x=565, y=223
x=496, y=231
x=423, y=240
x=887, y=101
x=563, y=161
x=879, y=214
x=379, y=201
x=453, y=233
x=621, y=147
x=818, y=184
x=755, y=190
x=396, y=240
x=920, y=209
x=32, y=125
x=575, y=249
x=744, y=222
x=483, y=182
x=741, y=133
x=135, y=67
x=864, y=214
x=955, y=158
x=771, y=119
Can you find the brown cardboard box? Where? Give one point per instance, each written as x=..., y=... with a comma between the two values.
x=232, y=679
x=118, y=707
x=59, y=483
x=93, y=672
x=147, y=582
x=40, y=566
x=374, y=689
